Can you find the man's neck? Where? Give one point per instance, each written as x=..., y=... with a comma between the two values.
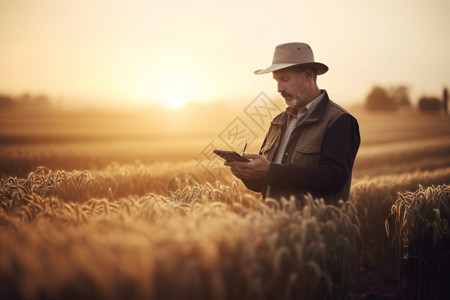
x=311, y=97
x=314, y=94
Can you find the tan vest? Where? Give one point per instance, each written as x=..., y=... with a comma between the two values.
x=303, y=148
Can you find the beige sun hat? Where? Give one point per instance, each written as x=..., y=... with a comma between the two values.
x=291, y=54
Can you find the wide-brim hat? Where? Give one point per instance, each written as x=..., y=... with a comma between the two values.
x=293, y=54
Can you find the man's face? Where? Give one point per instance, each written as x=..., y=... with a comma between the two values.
x=292, y=86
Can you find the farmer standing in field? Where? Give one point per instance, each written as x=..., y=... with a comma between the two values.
x=310, y=147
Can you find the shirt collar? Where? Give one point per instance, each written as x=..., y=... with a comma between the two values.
x=313, y=104
x=293, y=111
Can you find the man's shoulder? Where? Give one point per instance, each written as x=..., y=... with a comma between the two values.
x=334, y=111
x=334, y=107
x=327, y=108
x=279, y=118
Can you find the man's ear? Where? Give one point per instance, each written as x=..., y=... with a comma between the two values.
x=309, y=73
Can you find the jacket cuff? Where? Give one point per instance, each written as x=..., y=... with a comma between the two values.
x=277, y=174
x=255, y=185
x=289, y=176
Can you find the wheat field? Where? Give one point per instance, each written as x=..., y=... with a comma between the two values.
x=87, y=215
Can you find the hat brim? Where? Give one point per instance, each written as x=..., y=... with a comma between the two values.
x=319, y=67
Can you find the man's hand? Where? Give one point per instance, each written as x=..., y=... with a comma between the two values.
x=257, y=168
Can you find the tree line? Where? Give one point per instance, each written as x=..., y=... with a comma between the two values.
x=25, y=100
x=396, y=98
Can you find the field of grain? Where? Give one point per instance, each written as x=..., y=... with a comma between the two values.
x=421, y=239
x=114, y=205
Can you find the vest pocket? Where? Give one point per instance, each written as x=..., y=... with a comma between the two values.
x=306, y=155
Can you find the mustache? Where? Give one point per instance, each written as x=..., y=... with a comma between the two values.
x=284, y=94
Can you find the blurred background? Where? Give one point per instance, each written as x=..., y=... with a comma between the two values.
x=135, y=53
x=84, y=83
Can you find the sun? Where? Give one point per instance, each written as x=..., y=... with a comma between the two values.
x=175, y=88
x=177, y=99
x=176, y=104
x=174, y=84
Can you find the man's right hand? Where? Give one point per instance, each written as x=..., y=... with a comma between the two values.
x=257, y=168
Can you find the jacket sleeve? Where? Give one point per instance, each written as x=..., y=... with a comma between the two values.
x=255, y=185
x=339, y=147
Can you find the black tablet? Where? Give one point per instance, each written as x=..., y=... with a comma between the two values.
x=230, y=156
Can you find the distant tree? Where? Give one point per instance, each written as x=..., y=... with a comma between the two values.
x=379, y=100
x=400, y=96
x=5, y=101
x=429, y=104
x=445, y=100
x=41, y=101
x=25, y=100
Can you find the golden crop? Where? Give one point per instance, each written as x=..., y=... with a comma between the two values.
x=86, y=228
x=105, y=234
x=202, y=242
x=421, y=239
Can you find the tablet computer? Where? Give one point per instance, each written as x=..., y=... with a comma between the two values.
x=230, y=156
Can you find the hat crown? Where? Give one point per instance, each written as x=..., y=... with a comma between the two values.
x=298, y=53
x=291, y=54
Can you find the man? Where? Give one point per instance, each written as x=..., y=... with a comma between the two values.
x=310, y=147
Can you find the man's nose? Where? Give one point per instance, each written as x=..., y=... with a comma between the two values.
x=280, y=87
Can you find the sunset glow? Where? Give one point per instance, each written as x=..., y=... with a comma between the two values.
x=173, y=88
x=174, y=52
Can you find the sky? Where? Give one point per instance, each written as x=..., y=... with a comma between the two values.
x=136, y=52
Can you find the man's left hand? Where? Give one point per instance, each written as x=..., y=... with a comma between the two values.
x=257, y=168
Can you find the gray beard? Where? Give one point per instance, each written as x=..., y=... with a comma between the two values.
x=294, y=102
